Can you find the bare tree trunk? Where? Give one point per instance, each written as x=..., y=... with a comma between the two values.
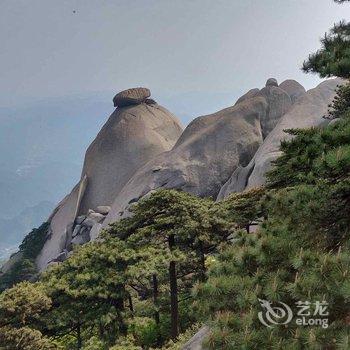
x=79, y=340
x=131, y=306
x=174, y=331
x=155, y=298
x=155, y=301
x=202, y=258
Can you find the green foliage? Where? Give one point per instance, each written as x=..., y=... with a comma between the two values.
x=126, y=343
x=115, y=292
x=23, y=303
x=24, y=269
x=24, y=338
x=286, y=261
x=21, y=270
x=333, y=59
x=301, y=252
x=179, y=226
x=21, y=310
x=94, y=343
x=89, y=292
x=315, y=153
x=144, y=330
x=34, y=241
x=240, y=210
x=341, y=103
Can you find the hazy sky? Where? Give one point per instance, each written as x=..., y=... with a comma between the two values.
x=54, y=48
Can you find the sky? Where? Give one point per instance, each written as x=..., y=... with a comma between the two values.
x=55, y=48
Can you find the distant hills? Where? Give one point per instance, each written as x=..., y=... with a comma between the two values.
x=41, y=150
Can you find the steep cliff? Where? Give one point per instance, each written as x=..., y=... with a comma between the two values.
x=141, y=149
x=135, y=133
x=308, y=111
x=209, y=149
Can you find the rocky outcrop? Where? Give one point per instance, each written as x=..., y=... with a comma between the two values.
x=131, y=97
x=271, y=82
x=133, y=135
x=139, y=150
x=293, y=89
x=250, y=94
x=205, y=155
x=279, y=102
x=307, y=111
x=195, y=343
x=209, y=148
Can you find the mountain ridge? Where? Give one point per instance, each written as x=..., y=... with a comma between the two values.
x=209, y=152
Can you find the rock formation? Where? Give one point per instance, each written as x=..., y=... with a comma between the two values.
x=132, y=136
x=279, y=102
x=131, y=97
x=140, y=150
x=209, y=149
x=195, y=343
x=307, y=111
x=135, y=133
x=293, y=89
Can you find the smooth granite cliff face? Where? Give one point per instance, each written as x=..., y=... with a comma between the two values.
x=208, y=151
x=142, y=148
x=308, y=111
x=132, y=136
x=136, y=132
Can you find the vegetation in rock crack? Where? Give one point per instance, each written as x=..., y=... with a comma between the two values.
x=24, y=267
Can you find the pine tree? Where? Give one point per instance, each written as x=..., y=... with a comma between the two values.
x=21, y=310
x=88, y=292
x=24, y=269
x=333, y=59
x=241, y=210
x=176, y=224
x=300, y=253
x=340, y=106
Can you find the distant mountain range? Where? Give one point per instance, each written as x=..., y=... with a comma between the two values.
x=41, y=150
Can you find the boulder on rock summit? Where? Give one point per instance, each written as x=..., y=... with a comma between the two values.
x=131, y=97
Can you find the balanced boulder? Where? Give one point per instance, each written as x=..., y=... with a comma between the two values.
x=131, y=137
x=271, y=82
x=131, y=97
